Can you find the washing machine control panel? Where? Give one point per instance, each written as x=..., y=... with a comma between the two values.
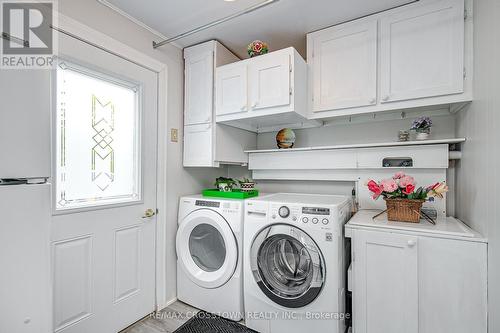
x=306, y=215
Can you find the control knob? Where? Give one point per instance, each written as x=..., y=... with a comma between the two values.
x=284, y=212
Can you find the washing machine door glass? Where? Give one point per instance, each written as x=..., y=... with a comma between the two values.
x=207, y=247
x=287, y=265
x=207, y=250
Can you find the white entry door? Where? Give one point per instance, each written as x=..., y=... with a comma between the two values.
x=103, y=232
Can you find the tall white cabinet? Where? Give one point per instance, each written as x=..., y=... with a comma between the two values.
x=417, y=278
x=207, y=144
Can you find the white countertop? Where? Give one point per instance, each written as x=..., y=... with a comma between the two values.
x=448, y=227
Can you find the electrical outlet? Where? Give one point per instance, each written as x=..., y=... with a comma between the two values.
x=174, y=135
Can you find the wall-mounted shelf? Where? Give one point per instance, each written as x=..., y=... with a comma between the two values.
x=363, y=145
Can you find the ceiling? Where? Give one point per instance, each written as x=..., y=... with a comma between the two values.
x=281, y=25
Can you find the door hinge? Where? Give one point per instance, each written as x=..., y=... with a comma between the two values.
x=465, y=73
x=290, y=68
x=353, y=257
x=466, y=14
x=291, y=91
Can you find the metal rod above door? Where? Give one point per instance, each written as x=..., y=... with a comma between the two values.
x=214, y=23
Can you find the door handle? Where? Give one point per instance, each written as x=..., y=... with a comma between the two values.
x=149, y=213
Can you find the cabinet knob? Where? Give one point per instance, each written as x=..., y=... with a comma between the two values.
x=385, y=98
x=373, y=100
x=243, y=108
x=412, y=243
x=254, y=105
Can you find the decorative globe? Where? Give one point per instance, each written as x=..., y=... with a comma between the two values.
x=285, y=138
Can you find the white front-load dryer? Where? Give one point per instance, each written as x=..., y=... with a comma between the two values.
x=294, y=265
x=209, y=255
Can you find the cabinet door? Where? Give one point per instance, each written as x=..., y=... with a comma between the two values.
x=385, y=293
x=344, y=66
x=269, y=81
x=198, y=145
x=453, y=286
x=25, y=123
x=422, y=51
x=199, y=76
x=231, y=89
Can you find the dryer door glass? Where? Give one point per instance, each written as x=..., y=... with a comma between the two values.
x=288, y=267
x=207, y=247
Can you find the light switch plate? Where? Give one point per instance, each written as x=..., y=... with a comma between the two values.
x=174, y=135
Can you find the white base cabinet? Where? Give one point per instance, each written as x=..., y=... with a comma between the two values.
x=207, y=144
x=417, y=278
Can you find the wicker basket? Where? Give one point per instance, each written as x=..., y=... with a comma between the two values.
x=404, y=210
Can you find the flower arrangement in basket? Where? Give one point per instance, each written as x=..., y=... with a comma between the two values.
x=404, y=201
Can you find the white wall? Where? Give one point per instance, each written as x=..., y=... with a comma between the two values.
x=180, y=181
x=478, y=172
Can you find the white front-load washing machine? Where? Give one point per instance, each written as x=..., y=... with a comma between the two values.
x=209, y=255
x=294, y=265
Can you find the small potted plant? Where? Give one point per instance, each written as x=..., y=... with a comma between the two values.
x=246, y=185
x=225, y=184
x=404, y=201
x=422, y=126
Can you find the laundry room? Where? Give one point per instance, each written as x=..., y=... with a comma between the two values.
x=269, y=166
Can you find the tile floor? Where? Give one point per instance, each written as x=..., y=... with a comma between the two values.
x=165, y=321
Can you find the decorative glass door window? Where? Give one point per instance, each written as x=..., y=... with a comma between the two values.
x=98, y=139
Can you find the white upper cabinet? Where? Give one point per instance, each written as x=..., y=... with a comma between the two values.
x=231, y=92
x=199, y=69
x=263, y=92
x=269, y=79
x=413, y=56
x=344, y=66
x=422, y=51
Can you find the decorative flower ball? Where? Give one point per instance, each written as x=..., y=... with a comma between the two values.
x=256, y=48
x=285, y=138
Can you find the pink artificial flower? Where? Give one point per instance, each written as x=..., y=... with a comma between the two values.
x=409, y=189
x=375, y=188
x=432, y=187
x=389, y=185
x=399, y=175
x=406, y=180
x=257, y=47
x=438, y=190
